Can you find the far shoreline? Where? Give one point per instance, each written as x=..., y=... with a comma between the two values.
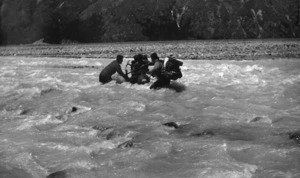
x=244, y=49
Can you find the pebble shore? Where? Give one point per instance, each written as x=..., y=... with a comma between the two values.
x=195, y=50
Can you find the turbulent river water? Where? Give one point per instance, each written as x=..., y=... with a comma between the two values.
x=222, y=119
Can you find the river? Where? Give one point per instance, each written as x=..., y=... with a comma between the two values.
x=221, y=119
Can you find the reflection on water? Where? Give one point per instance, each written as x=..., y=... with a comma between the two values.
x=222, y=119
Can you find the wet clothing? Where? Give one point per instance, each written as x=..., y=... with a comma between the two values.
x=109, y=70
x=139, y=68
x=157, y=68
x=165, y=71
x=162, y=80
x=142, y=79
x=171, y=68
x=160, y=83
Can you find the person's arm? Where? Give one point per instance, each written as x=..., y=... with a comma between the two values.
x=120, y=72
x=155, y=68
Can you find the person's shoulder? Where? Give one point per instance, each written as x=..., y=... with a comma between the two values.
x=160, y=62
x=114, y=62
x=157, y=63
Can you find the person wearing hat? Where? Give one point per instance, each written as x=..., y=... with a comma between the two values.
x=107, y=74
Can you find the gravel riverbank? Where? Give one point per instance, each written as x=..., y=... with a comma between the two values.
x=197, y=50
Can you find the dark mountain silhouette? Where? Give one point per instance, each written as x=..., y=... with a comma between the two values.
x=90, y=21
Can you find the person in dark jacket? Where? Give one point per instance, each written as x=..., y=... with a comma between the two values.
x=162, y=80
x=139, y=68
x=114, y=67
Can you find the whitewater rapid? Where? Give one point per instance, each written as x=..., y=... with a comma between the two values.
x=221, y=119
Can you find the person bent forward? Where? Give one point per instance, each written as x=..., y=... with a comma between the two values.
x=107, y=74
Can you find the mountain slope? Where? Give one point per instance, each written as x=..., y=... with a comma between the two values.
x=57, y=21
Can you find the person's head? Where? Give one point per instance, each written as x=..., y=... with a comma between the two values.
x=144, y=57
x=138, y=57
x=154, y=57
x=120, y=59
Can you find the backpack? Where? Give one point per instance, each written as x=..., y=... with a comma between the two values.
x=171, y=68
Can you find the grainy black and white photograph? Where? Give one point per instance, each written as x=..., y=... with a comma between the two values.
x=149, y=88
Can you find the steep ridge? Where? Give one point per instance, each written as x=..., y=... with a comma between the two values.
x=86, y=21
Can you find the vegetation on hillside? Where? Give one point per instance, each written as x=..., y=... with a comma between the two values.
x=90, y=21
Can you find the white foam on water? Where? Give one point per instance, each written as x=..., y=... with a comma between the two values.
x=84, y=164
x=67, y=148
x=156, y=103
x=31, y=63
x=32, y=121
x=224, y=75
x=107, y=145
x=82, y=62
x=138, y=87
x=254, y=68
x=222, y=165
x=65, y=128
x=74, y=130
x=87, y=85
x=99, y=64
x=64, y=147
x=7, y=72
x=134, y=105
x=291, y=80
x=245, y=171
x=81, y=135
x=35, y=73
x=68, y=84
x=29, y=91
x=6, y=88
x=73, y=73
x=57, y=81
x=275, y=173
x=48, y=78
x=91, y=73
x=28, y=162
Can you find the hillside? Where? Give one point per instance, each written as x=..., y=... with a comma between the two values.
x=92, y=21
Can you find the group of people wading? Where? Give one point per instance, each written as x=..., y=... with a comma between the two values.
x=164, y=70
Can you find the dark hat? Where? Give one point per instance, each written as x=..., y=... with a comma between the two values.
x=120, y=58
x=138, y=57
x=144, y=56
x=154, y=56
x=171, y=56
